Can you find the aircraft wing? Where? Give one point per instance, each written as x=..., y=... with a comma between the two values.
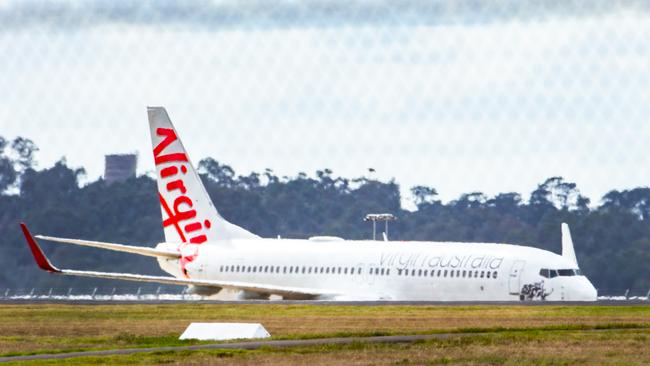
x=150, y=252
x=44, y=263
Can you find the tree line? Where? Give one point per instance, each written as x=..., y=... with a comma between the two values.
x=612, y=239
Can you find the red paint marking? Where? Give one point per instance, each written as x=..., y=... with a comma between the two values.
x=199, y=239
x=169, y=137
x=169, y=213
x=193, y=227
x=168, y=172
x=170, y=157
x=177, y=184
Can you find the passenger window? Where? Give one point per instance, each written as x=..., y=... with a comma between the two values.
x=475, y=274
x=552, y=273
x=445, y=273
x=433, y=272
x=458, y=273
x=425, y=273
x=413, y=272
x=419, y=273
x=451, y=273
x=487, y=274
x=482, y=274
x=494, y=274
x=388, y=272
x=439, y=272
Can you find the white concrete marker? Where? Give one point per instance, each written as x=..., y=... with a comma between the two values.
x=224, y=331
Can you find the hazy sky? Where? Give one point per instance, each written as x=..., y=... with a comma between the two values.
x=464, y=96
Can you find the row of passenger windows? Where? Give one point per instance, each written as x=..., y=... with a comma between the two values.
x=290, y=269
x=448, y=273
x=357, y=270
x=551, y=273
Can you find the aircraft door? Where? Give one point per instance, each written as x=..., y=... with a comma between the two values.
x=514, y=280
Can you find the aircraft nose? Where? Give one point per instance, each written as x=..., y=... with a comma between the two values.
x=586, y=291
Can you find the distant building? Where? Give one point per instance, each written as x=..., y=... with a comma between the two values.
x=120, y=167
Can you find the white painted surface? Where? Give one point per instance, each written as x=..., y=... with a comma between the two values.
x=224, y=331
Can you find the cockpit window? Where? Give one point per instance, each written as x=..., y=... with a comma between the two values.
x=544, y=272
x=551, y=273
x=566, y=272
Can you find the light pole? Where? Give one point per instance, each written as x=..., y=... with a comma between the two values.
x=385, y=217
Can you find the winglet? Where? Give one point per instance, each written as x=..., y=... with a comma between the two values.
x=40, y=258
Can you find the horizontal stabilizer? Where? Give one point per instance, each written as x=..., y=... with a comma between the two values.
x=150, y=252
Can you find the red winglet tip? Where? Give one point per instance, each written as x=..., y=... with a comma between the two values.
x=40, y=258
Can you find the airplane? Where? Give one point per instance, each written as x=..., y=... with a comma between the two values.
x=204, y=251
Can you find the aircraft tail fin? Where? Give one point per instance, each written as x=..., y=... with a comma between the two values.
x=568, y=251
x=189, y=216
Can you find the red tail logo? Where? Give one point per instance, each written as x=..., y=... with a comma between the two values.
x=182, y=209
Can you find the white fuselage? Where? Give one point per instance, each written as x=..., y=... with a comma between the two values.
x=372, y=270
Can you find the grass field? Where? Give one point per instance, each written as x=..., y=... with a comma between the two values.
x=547, y=335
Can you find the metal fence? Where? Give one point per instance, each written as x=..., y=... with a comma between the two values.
x=174, y=293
